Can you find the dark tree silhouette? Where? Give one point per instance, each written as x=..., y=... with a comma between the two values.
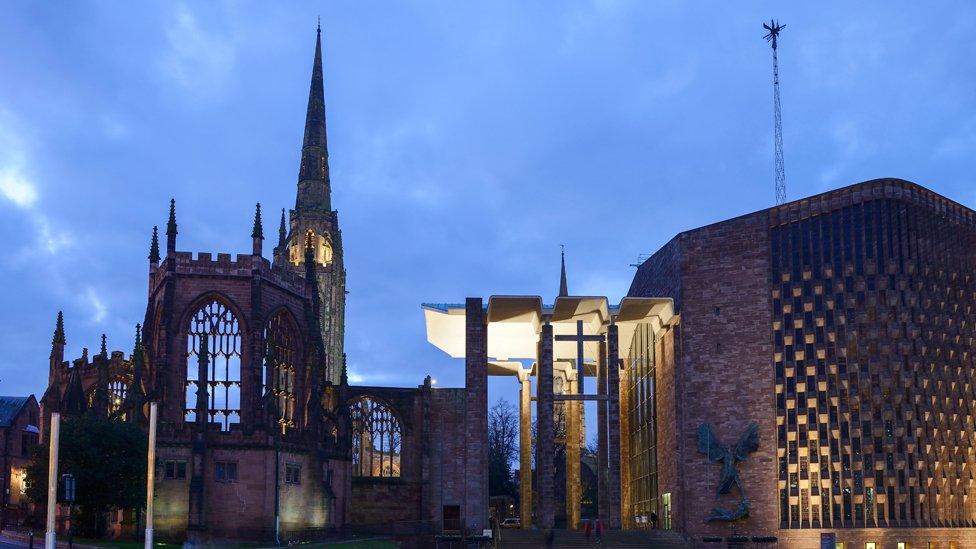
x=107, y=458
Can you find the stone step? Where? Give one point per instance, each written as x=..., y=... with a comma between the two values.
x=571, y=538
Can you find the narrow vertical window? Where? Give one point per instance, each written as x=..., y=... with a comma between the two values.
x=281, y=354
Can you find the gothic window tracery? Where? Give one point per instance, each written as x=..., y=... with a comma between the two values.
x=215, y=321
x=281, y=354
x=375, y=439
x=118, y=388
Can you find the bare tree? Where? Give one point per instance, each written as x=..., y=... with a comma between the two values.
x=503, y=439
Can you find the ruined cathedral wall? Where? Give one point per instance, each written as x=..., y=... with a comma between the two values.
x=381, y=503
x=232, y=283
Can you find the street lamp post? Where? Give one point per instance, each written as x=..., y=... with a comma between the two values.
x=50, y=536
x=151, y=475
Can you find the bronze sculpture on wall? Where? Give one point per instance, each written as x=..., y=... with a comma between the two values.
x=709, y=445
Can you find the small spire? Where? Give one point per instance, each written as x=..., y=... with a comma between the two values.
x=137, y=360
x=563, y=287
x=282, y=232
x=258, y=230
x=154, y=246
x=171, y=228
x=84, y=354
x=104, y=351
x=171, y=223
x=135, y=398
x=59, y=330
x=343, y=377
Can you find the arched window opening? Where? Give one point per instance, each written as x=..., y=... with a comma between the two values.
x=321, y=244
x=223, y=332
x=375, y=439
x=281, y=354
x=118, y=388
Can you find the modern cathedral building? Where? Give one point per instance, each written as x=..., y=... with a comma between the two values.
x=803, y=370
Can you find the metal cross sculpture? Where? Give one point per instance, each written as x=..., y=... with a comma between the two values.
x=579, y=338
x=709, y=445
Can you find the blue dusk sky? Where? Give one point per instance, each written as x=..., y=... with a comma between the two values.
x=468, y=140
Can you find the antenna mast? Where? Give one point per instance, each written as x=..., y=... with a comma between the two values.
x=774, y=29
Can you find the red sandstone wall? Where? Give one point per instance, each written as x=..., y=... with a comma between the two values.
x=446, y=451
x=725, y=373
x=245, y=508
x=667, y=417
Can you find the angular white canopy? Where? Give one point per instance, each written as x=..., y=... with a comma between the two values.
x=515, y=322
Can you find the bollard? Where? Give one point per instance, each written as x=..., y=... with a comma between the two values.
x=30, y=539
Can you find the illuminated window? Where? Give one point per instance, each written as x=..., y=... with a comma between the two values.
x=322, y=245
x=217, y=323
x=375, y=439
x=118, y=388
x=870, y=545
x=281, y=354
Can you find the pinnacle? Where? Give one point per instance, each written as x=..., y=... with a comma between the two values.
x=154, y=245
x=171, y=224
x=258, y=230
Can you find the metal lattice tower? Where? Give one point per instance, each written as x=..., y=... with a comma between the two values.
x=774, y=29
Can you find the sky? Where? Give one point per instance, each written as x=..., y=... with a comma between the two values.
x=468, y=140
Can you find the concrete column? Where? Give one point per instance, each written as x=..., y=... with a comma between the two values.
x=545, y=443
x=613, y=428
x=601, y=436
x=626, y=504
x=572, y=459
x=525, y=450
x=475, y=512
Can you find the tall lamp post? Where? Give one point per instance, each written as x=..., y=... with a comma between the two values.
x=50, y=536
x=151, y=475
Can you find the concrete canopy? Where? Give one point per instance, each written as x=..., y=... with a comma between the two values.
x=514, y=324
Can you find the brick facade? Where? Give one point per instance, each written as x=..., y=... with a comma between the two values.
x=732, y=282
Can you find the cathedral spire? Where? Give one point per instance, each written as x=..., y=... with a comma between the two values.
x=563, y=287
x=313, y=174
x=171, y=228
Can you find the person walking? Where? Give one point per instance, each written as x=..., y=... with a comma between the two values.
x=588, y=529
x=653, y=520
x=599, y=531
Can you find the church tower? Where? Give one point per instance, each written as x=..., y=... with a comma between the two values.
x=313, y=219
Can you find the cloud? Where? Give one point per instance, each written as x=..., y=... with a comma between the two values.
x=15, y=187
x=18, y=188
x=196, y=59
x=99, y=310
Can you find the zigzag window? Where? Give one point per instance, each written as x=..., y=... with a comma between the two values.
x=375, y=439
x=281, y=354
x=223, y=332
